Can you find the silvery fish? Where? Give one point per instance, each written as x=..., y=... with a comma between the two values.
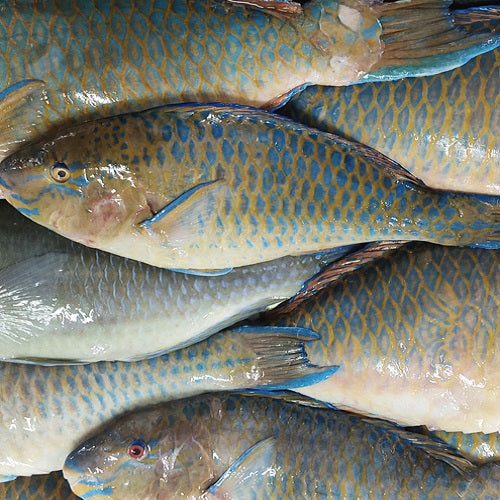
x=206, y=188
x=115, y=56
x=46, y=411
x=238, y=447
x=444, y=128
x=62, y=302
x=46, y=487
x=477, y=447
x=415, y=335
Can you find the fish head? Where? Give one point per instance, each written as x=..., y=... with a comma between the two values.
x=73, y=187
x=154, y=454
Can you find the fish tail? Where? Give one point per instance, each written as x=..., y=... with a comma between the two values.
x=424, y=37
x=279, y=355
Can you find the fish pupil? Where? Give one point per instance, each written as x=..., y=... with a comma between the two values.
x=136, y=450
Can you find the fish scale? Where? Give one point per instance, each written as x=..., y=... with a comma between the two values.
x=53, y=487
x=415, y=335
x=249, y=447
x=444, y=128
x=103, y=58
x=209, y=187
x=66, y=302
x=477, y=447
x=46, y=410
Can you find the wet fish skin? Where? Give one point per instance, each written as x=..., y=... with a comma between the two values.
x=46, y=410
x=444, y=128
x=299, y=452
x=114, y=56
x=52, y=486
x=60, y=300
x=415, y=335
x=207, y=187
x=477, y=447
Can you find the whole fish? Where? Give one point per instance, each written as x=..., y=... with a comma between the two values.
x=46, y=411
x=230, y=446
x=477, y=447
x=207, y=188
x=115, y=56
x=444, y=128
x=64, y=302
x=416, y=338
x=46, y=487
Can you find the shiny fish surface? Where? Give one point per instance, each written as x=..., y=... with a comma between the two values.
x=416, y=336
x=209, y=187
x=444, y=128
x=115, y=56
x=65, y=302
x=477, y=446
x=46, y=411
x=232, y=446
x=45, y=487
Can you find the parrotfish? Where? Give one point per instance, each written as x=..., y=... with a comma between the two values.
x=415, y=335
x=205, y=188
x=45, y=411
x=444, y=128
x=234, y=446
x=63, y=302
x=477, y=446
x=115, y=56
x=46, y=487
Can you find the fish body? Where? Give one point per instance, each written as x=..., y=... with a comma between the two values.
x=444, y=128
x=114, y=56
x=46, y=487
x=415, y=335
x=65, y=302
x=233, y=446
x=477, y=447
x=211, y=187
x=46, y=410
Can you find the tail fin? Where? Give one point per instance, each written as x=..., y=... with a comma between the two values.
x=280, y=357
x=423, y=37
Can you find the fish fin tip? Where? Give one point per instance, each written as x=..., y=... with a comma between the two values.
x=280, y=353
x=203, y=272
x=242, y=477
x=21, y=104
x=6, y=478
x=421, y=37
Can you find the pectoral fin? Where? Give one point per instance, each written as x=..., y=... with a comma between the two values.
x=183, y=220
x=246, y=474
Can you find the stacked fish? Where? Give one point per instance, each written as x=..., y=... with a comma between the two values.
x=205, y=248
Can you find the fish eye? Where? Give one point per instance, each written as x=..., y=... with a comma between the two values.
x=60, y=172
x=137, y=450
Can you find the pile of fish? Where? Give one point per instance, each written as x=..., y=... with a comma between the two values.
x=220, y=293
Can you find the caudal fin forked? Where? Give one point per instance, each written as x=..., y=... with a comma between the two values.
x=280, y=359
x=425, y=37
